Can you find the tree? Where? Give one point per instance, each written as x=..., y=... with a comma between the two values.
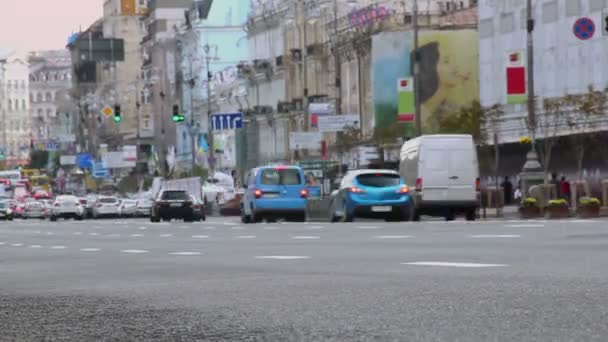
x=550, y=127
x=588, y=112
x=473, y=120
x=38, y=159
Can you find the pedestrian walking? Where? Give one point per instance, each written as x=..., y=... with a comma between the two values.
x=507, y=187
x=565, y=189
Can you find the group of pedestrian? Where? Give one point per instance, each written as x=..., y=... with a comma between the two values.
x=511, y=195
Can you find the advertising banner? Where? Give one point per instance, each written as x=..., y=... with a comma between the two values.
x=516, y=78
x=304, y=140
x=406, y=105
x=338, y=123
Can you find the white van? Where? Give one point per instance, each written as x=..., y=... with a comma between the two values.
x=445, y=171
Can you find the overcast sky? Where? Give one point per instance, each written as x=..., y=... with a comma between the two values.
x=29, y=25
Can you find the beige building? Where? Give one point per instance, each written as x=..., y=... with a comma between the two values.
x=15, y=134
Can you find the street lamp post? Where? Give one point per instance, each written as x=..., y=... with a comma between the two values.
x=417, y=115
x=207, y=49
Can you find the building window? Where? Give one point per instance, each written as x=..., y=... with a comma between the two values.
x=10, y=105
x=573, y=8
x=23, y=105
x=40, y=113
x=32, y=98
x=49, y=113
x=39, y=97
x=550, y=12
x=49, y=97
x=596, y=5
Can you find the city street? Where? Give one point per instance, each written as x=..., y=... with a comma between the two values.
x=369, y=280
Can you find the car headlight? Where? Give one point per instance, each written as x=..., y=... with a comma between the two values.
x=8, y=211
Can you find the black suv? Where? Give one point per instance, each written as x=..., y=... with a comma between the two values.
x=175, y=204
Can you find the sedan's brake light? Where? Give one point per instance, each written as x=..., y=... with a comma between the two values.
x=477, y=184
x=304, y=193
x=356, y=190
x=403, y=190
x=258, y=193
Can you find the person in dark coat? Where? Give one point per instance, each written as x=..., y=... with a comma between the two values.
x=507, y=187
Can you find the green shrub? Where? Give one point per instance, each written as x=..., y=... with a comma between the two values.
x=530, y=202
x=558, y=203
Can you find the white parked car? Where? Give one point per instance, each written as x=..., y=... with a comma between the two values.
x=67, y=207
x=143, y=207
x=127, y=207
x=35, y=209
x=106, y=206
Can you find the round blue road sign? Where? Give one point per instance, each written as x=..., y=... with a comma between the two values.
x=584, y=28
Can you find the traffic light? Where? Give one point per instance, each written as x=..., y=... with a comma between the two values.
x=177, y=117
x=117, y=114
x=2, y=156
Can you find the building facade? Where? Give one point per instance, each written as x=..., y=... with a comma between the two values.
x=16, y=133
x=51, y=104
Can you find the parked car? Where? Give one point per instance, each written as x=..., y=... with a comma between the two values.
x=89, y=203
x=445, y=170
x=371, y=194
x=35, y=209
x=274, y=192
x=173, y=204
x=19, y=209
x=67, y=207
x=127, y=208
x=6, y=213
x=144, y=207
x=106, y=206
x=41, y=194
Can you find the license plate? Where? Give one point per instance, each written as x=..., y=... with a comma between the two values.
x=271, y=195
x=176, y=205
x=381, y=209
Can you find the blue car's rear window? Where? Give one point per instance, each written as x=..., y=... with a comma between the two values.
x=379, y=180
x=280, y=177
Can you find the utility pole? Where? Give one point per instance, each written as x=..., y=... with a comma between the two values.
x=530, y=65
x=337, y=64
x=304, y=26
x=193, y=131
x=207, y=49
x=417, y=116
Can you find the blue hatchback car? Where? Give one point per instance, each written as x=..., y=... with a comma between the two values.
x=371, y=194
x=273, y=192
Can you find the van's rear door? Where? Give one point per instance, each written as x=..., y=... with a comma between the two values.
x=434, y=173
x=462, y=175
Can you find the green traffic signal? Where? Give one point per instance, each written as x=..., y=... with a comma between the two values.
x=177, y=117
x=117, y=114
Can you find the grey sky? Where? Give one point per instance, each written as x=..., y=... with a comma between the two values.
x=27, y=25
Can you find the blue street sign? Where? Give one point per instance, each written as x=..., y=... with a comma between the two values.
x=99, y=171
x=226, y=121
x=584, y=28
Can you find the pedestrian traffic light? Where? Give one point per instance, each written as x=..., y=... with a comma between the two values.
x=177, y=117
x=117, y=114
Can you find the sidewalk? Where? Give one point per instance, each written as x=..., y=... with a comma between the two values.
x=507, y=213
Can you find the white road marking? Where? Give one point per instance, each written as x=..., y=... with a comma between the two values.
x=134, y=251
x=316, y=227
x=529, y=225
x=114, y=235
x=93, y=234
x=237, y=228
x=305, y=237
x=184, y=227
x=368, y=227
x=16, y=244
x=230, y=223
x=209, y=228
x=452, y=264
x=505, y=236
x=90, y=249
x=389, y=237
x=35, y=246
x=185, y=253
x=142, y=228
x=200, y=236
x=137, y=235
x=58, y=247
x=283, y=257
x=50, y=233
x=166, y=235
x=271, y=228
x=77, y=233
x=246, y=237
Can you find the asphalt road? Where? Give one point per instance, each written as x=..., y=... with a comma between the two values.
x=119, y=280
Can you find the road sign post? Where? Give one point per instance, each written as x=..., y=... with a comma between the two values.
x=226, y=121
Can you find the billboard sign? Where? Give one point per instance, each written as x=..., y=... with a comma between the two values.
x=338, y=123
x=516, y=78
x=405, y=102
x=304, y=140
x=67, y=160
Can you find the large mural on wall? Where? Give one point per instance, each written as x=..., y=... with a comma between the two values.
x=449, y=73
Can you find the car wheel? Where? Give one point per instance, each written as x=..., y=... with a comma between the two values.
x=189, y=219
x=154, y=219
x=302, y=217
x=244, y=217
x=10, y=218
x=450, y=215
x=349, y=217
x=471, y=215
x=53, y=218
x=271, y=219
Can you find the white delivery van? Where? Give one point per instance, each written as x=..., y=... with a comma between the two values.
x=445, y=171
